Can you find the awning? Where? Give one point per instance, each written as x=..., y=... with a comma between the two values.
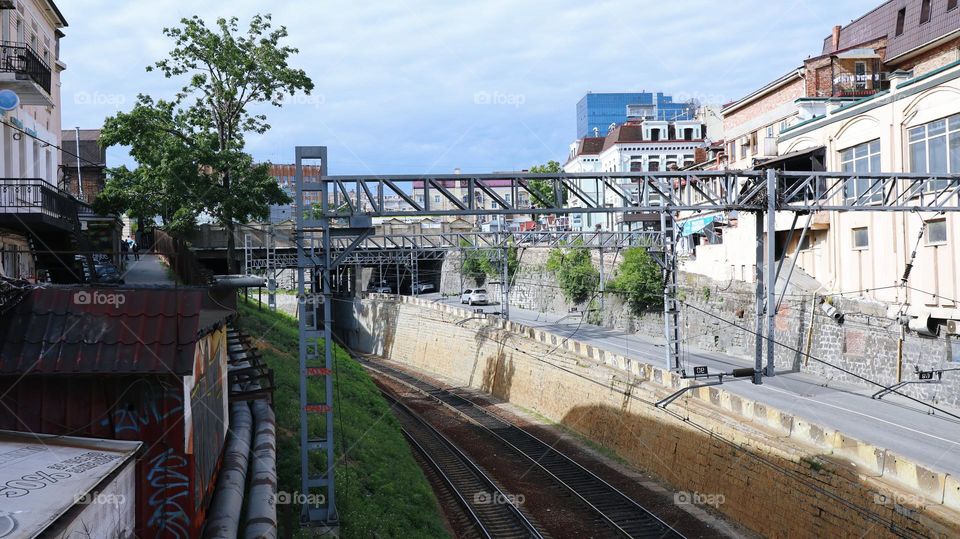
x=857, y=53
x=694, y=226
x=809, y=159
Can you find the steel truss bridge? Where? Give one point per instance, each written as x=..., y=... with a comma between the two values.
x=340, y=232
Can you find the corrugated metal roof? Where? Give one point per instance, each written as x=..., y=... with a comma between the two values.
x=103, y=330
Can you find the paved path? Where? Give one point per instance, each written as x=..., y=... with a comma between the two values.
x=147, y=270
x=894, y=423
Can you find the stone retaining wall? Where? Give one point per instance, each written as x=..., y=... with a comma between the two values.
x=775, y=473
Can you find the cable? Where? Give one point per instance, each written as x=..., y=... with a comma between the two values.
x=869, y=515
x=818, y=360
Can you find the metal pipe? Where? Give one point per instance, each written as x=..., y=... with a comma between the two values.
x=223, y=520
x=771, y=272
x=262, y=497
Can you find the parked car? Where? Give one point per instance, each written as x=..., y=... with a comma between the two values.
x=474, y=296
x=382, y=288
x=420, y=288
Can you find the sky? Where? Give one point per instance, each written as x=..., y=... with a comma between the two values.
x=418, y=86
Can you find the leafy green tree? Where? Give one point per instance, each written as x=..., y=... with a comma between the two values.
x=191, y=148
x=575, y=272
x=639, y=280
x=542, y=194
x=478, y=264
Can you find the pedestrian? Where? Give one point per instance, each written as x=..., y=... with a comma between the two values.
x=125, y=249
x=136, y=250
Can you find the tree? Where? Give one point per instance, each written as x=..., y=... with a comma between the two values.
x=191, y=148
x=576, y=275
x=639, y=280
x=543, y=195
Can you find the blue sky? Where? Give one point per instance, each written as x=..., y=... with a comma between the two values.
x=419, y=86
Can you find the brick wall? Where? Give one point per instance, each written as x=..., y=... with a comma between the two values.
x=786, y=94
x=946, y=53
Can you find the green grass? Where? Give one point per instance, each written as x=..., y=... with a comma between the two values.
x=381, y=492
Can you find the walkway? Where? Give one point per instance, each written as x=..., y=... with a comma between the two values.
x=895, y=423
x=147, y=270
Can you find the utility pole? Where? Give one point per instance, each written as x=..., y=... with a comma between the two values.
x=506, y=283
x=771, y=272
x=758, y=275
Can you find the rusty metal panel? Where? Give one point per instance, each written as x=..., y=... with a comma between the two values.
x=70, y=330
x=173, y=485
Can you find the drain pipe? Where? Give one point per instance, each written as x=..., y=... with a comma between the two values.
x=262, y=496
x=224, y=518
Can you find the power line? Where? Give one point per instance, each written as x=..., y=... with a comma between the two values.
x=823, y=361
x=869, y=515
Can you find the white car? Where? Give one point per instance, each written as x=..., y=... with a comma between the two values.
x=420, y=288
x=474, y=296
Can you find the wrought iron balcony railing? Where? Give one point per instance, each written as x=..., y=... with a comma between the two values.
x=19, y=58
x=36, y=196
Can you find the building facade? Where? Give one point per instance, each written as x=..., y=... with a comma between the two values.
x=596, y=112
x=637, y=145
x=883, y=97
x=30, y=198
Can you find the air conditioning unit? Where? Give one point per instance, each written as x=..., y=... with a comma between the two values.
x=953, y=327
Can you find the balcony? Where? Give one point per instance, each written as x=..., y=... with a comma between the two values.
x=26, y=73
x=31, y=204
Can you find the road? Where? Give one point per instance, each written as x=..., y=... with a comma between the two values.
x=894, y=422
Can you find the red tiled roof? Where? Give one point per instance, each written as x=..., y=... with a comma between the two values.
x=103, y=330
x=591, y=146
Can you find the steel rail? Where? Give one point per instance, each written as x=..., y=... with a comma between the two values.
x=619, y=510
x=489, y=507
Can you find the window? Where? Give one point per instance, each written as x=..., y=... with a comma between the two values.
x=901, y=17
x=864, y=158
x=861, y=238
x=935, y=149
x=860, y=75
x=654, y=134
x=769, y=131
x=925, y=11
x=653, y=166
x=493, y=205
x=420, y=198
x=436, y=199
x=936, y=232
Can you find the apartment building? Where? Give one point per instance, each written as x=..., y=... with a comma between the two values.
x=892, y=104
x=31, y=201
x=641, y=144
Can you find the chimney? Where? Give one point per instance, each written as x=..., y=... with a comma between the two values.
x=836, y=37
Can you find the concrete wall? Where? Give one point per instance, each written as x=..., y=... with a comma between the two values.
x=789, y=483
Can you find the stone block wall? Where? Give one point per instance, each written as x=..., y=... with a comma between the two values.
x=866, y=344
x=776, y=474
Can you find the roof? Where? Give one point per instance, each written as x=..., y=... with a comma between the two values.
x=591, y=146
x=86, y=330
x=74, y=468
x=881, y=22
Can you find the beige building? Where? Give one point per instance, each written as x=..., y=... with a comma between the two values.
x=30, y=32
x=891, y=105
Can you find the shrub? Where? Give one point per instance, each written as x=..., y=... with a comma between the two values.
x=577, y=277
x=639, y=280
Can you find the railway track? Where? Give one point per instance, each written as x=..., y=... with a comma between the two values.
x=616, y=508
x=490, y=510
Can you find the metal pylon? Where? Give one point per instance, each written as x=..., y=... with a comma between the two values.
x=317, y=456
x=671, y=308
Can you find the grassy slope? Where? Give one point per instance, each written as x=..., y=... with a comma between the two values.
x=381, y=492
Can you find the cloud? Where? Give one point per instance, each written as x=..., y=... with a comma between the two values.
x=488, y=85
